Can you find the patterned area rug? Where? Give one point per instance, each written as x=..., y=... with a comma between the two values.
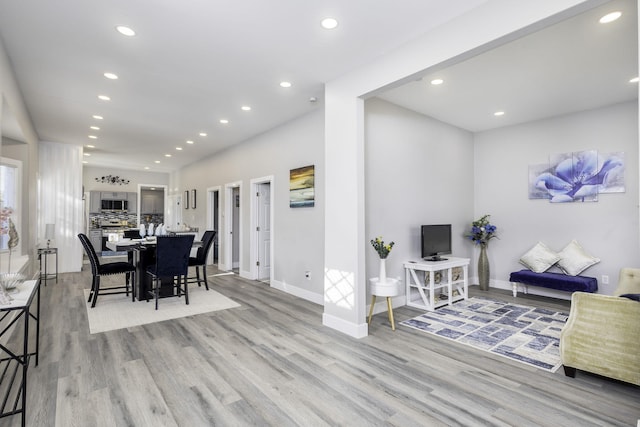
x=521, y=333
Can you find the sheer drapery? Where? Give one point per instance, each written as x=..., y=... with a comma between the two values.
x=60, y=201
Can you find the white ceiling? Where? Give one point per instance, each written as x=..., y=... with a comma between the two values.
x=575, y=65
x=197, y=61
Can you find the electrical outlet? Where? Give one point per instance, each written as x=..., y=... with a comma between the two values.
x=605, y=279
x=307, y=274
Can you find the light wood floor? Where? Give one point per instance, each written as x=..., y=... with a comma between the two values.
x=272, y=363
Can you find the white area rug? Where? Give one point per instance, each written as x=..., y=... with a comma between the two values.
x=118, y=312
x=521, y=333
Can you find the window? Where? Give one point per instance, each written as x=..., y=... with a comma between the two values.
x=10, y=202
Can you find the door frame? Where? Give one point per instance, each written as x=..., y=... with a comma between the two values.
x=210, y=222
x=227, y=241
x=253, y=238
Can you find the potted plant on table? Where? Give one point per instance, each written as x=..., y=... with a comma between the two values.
x=383, y=251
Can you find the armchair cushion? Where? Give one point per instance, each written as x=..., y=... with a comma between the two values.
x=628, y=282
x=635, y=297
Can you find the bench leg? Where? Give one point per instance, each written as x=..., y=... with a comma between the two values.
x=514, y=286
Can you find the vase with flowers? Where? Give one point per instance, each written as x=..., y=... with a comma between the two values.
x=383, y=250
x=481, y=232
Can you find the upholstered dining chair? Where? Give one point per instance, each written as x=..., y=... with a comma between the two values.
x=98, y=270
x=172, y=261
x=200, y=260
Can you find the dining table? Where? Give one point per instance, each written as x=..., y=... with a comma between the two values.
x=142, y=254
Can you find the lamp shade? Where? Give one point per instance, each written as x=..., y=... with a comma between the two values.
x=50, y=231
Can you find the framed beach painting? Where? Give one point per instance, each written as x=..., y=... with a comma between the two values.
x=302, y=187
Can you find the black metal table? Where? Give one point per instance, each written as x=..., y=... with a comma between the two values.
x=44, y=274
x=14, y=362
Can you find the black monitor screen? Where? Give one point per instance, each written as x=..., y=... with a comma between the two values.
x=436, y=241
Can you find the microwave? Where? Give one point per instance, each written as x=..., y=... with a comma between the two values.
x=114, y=205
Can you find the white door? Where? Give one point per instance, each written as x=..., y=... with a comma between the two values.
x=264, y=231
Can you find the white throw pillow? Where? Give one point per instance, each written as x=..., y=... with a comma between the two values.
x=539, y=258
x=574, y=260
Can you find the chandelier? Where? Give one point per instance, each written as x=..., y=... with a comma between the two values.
x=113, y=180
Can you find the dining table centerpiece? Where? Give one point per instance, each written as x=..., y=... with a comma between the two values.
x=383, y=249
x=481, y=232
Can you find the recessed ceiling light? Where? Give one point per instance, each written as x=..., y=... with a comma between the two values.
x=329, y=23
x=104, y=97
x=85, y=162
x=610, y=17
x=285, y=84
x=94, y=127
x=245, y=108
x=156, y=161
x=87, y=154
x=498, y=113
x=93, y=137
x=146, y=167
x=436, y=82
x=203, y=134
x=167, y=155
x=97, y=117
x=189, y=141
x=125, y=31
x=634, y=80
x=110, y=76
x=179, y=148
x=90, y=146
x=224, y=121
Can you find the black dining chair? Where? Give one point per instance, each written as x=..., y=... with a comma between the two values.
x=98, y=270
x=200, y=260
x=172, y=261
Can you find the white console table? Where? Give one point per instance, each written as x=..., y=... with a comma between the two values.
x=422, y=288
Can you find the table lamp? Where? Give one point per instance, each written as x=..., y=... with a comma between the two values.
x=49, y=233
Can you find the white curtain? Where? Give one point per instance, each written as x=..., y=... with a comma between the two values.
x=60, y=201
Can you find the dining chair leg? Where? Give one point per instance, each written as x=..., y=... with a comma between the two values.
x=204, y=274
x=156, y=289
x=93, y=287
x=95, y=291
x=133, y=286
x=186, y=289
x=198, y=275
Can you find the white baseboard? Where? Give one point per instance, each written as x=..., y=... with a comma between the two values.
x=352, y=329
x=298, y=292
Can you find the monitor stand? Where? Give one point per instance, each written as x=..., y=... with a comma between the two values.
x=436, y=258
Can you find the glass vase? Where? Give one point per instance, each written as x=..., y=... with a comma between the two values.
x=483, y=269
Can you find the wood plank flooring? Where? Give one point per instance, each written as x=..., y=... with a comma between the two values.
x=270, y=362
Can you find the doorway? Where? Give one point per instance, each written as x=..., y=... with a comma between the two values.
x=262, y=229
x=213, y=222
x=232, y=243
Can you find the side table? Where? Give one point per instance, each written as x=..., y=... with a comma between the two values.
x=387, y=289
x=44, y=274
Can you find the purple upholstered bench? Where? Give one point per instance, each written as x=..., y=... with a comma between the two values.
x=558, y=281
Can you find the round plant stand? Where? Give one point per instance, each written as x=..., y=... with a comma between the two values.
x=387, y=289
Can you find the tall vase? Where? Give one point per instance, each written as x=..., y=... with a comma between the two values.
x=483, y=268
x=382, y=275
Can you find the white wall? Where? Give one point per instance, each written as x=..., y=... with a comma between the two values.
x=418, y=171
x=298, y=233
x=608, y=229
x=135, y=177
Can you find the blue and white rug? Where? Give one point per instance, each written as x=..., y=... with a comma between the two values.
x=525, y=334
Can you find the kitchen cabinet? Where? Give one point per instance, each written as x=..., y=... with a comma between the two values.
x=114, y=195
x=94, y=201
x=133, y=202
x=152, y=202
